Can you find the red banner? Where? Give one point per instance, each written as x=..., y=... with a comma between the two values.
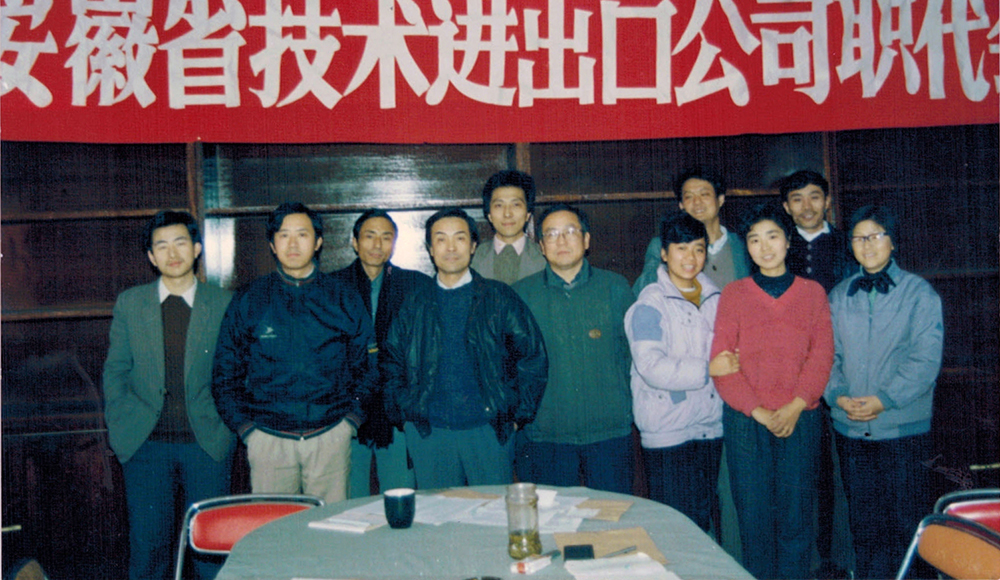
x=468, y=71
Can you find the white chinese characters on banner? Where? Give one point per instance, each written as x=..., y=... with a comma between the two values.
x=17, y=75
x=200, y=49
x=113, y=43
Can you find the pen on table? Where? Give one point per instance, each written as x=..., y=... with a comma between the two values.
x=620, y=552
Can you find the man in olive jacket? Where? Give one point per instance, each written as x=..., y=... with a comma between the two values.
x=584, y=423
x=464, y=366
x=162, y=420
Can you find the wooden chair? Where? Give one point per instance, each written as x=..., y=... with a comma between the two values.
x=956, y=547
x=214, y=525
x=978, y=505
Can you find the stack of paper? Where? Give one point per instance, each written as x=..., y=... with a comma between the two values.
x=358, y=520
x=636, y=566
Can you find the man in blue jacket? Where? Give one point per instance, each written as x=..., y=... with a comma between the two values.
x=162, y=421
x=292, y=365
x=464, y=365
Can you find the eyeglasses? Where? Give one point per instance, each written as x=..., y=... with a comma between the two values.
x=553, y=235
x=869, y=238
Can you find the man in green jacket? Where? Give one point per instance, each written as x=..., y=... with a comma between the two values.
x=584, y=423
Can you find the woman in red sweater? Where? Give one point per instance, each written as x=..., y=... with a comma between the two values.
x=778, y=325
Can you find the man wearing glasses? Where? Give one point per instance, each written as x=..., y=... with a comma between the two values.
x=584, y=423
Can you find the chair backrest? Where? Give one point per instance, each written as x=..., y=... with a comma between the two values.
x=958, y=548
x=978, y=505
x=213, y=526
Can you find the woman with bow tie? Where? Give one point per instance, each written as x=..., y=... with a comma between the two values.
x=888, y=336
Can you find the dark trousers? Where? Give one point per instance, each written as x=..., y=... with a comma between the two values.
x=774, y=489
x=458, y=457
x=887, y=494
x=685, y=477
x=605, y=465
x=159, y=479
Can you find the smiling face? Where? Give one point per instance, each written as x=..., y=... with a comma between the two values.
x=699, y=200
x=451, y=248
x=295, y=243
x=684, y=261
x=872, y=254
x=172, y=252
x=768, y=245
x=508, y=213
x=564, y=244
x=808, y=207
x=375, y=242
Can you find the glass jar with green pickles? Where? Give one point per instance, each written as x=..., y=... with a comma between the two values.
x=522, y=521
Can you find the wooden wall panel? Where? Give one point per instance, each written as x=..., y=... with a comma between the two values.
x=745, y=162
x=352, y=175
x=65, y=177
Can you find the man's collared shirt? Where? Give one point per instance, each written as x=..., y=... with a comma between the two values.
x=376, y=290
x=498, y=244
x=557, y=281
x=810, y=236
x=465, y=279
x=188, y=294
x=716, y=246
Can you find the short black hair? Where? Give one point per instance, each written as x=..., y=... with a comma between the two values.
x=680, y=228
x=447, y=212
x=168, y=218
x=800, y=179
x=579, y=213
x=509, y=178
x=879, y=214
x=373, y=213
x=277, y=217
x=767, y=211
x=699, y=173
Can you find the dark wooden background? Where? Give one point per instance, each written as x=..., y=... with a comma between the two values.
x=72, y=216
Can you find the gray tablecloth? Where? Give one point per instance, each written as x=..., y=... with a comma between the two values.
x=288, y=548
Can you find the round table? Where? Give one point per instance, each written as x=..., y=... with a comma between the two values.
x=288, y=549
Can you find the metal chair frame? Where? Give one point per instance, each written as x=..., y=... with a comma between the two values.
x=248, y=512
x=974, y=535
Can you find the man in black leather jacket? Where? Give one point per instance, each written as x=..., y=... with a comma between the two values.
x=463, y=365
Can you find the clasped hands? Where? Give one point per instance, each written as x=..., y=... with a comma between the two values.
x=861, y=408
x=781, y=423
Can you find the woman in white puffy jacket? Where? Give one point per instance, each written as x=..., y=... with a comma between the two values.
x=674, y=401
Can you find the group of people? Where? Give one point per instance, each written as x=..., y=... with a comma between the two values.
x=519, y=359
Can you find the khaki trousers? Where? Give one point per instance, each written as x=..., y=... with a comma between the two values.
x=319, y=465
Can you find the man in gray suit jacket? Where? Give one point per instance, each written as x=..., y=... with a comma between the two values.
x=158, y=405
x=508, y=200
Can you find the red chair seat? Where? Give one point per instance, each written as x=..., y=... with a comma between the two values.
x=216, y=530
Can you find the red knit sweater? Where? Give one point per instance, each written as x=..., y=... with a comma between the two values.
x=785, y=344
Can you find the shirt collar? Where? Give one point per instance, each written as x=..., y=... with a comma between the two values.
x=499, y=244
x=556, y=281
x=188, y=294
x=716, y=246
x=810, y=236
x=466, y=279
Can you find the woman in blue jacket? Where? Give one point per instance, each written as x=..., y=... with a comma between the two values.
x=888, y=336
